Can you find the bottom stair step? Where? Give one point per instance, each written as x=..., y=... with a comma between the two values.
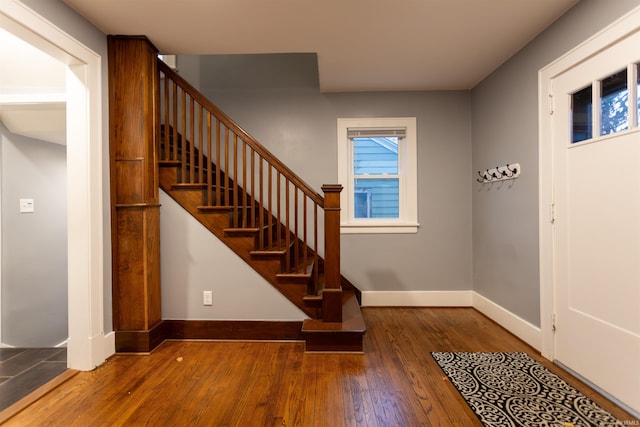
x=345, y=336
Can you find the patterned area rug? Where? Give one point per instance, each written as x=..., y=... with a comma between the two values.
x=511, y=389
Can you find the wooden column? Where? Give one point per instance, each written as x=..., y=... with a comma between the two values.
x=332, y=294
x=135, y=213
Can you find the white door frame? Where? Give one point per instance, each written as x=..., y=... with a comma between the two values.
x=87, y=346
x=623, y=27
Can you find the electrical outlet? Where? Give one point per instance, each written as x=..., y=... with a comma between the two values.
x=207, y=298
x=26, y=205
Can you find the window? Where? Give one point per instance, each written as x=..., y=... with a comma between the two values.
x=377, y=169
x=604, y=107
x=582, y=112
x=637, y=70
x=614, y=99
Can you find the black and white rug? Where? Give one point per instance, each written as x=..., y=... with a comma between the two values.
x=511, y=389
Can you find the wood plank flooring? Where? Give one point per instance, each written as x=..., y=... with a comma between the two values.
x=395, y=382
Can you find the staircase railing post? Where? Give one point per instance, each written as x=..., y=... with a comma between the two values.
x=332, y=294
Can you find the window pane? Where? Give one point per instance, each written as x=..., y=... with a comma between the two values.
x=362, y=203
x=638, y=92
x=376, y=198
x=614, y=104
x=581, y=103
x=375, y=156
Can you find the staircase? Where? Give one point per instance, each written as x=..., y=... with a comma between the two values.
x=260, y=209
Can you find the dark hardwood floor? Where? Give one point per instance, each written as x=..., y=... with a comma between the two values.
x=23, y=370
x=395, y=382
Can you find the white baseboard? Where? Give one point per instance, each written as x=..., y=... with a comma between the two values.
x=88, y=354
x=103, y=346
x=109, y=345
x=62, y=344
x=519, y=327
x=417, y=299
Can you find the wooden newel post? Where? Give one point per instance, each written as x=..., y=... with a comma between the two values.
x=332, y=294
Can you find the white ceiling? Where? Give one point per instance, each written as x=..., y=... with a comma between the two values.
x=32, y=91
x=361, y=44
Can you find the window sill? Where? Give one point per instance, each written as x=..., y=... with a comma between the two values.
x=400, y=228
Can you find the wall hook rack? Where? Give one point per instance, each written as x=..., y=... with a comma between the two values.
x=499, y=173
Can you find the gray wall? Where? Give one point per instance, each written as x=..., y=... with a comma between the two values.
x=194, y=260
x=297, y=123
x=276, y=99
x=34, y=245
x=71, y=22
x=505, y=130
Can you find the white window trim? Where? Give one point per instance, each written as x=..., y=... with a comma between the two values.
x=407, y=159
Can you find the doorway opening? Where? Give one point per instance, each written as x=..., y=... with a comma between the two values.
x=88, y=345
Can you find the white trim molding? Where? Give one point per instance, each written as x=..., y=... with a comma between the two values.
x=417, y=299
x=516, y=325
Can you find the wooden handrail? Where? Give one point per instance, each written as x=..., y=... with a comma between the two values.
x=230, y=124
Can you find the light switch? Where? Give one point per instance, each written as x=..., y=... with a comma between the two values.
x=26, y=205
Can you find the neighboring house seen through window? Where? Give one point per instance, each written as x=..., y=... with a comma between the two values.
x=377, y=168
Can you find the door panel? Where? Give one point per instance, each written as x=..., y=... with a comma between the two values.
x=596, y=186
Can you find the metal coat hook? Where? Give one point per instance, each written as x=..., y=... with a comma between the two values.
x=483, y=177
x=508, y=171
x=499, y=173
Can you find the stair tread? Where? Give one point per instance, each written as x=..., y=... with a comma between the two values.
x=303, y=271
x=222, y=207
x=241, y=230
x=294, y=274
x=268, y=251
x=189, y=186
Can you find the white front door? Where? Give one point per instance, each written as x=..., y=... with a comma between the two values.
x=596, y=232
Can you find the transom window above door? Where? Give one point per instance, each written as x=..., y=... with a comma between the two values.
x=616, y=100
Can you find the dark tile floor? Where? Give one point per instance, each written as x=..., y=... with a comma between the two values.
x=22, y=370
